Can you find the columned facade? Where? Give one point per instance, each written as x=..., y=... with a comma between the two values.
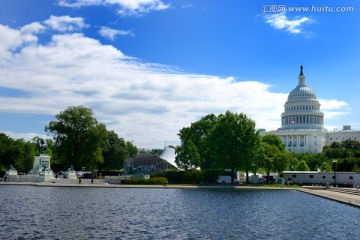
x=302, y=122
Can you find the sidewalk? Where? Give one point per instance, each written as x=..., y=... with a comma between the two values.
x=336, y=196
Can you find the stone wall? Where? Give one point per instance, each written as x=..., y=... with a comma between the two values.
x=25, y=178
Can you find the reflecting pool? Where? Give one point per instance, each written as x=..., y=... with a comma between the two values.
x=30, y=212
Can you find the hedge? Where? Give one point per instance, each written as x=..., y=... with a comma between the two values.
x=192, y=176
x=155, y=180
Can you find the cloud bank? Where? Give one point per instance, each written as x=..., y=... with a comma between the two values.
x=144, y=102
x=136, y=8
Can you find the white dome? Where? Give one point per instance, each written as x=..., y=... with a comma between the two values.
x=302, y=109
x=301, y=93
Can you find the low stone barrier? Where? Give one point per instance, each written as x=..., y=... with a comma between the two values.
x=24, y=178
x=113, y=179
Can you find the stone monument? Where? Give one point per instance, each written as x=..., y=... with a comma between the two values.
x=71, y=173
x=41, y=166
x=12, y=171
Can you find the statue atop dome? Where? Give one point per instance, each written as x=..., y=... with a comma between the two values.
x=301, y=70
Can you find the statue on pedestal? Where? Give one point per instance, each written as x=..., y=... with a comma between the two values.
x=11, y=171
x=42, y=147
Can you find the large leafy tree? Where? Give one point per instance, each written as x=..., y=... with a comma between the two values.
x=275, y=141
x=275, y=157
x=281, y=162
x=187, y=156
x=132, y=149
x=234, y=141
x=115, y=151
x=18, y=153
x=5, y=152
x=198, y=134
x=269, y=154
x=78, y=137
x=25, y=155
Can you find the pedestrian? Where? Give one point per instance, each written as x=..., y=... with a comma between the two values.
x=282, y=182
x=79, y=180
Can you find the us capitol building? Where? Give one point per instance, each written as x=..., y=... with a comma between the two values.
x=302, y=122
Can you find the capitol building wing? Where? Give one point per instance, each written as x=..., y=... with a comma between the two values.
x=302, y=122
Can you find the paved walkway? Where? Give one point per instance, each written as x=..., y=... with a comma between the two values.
x=100, y=183
x=333, y=195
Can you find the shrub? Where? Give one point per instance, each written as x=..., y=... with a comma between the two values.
x=193, y=176
x=172, y=176
x=150, y=181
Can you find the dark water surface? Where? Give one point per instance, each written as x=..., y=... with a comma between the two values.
x=29, y=212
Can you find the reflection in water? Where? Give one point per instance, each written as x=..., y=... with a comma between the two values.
x=91, y=213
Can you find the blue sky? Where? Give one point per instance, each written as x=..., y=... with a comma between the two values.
x=150, y=67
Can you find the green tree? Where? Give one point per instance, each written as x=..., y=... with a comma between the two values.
x=198, y=134
x=352, y=147
x=269, y=153
x=18, y=153
x=115, y=151
x=5, y=152
x=233, y=142
x=281, y=162
x=25, y=155
x=302, y=166
x=132, y=149
x=346, y=164
x=325, y=167
x=78, y=137
x=187, y=156
x=275, y=156
x=156, y=152
x=274, y=140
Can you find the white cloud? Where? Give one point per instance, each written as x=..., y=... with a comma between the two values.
x=331, y=104
x=281, y=21
x=111, y=34
x=25, y=136
x=146, y=103
x=125, y=7
x=334, y=109
x=65, y=23
x=12, y=39
x=32, y=28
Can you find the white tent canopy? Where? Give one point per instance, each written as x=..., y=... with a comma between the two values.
x=168, y=154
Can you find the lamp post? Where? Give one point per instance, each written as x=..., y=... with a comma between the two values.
x=334, y=166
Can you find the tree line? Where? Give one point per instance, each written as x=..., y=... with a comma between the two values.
x=231, y=141
x=79, y=140
x=226, y=141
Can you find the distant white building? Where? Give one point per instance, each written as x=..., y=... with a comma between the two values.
x=302, y=122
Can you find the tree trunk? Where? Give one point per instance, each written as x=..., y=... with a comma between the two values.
x=232, y=175
x=247, y=176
